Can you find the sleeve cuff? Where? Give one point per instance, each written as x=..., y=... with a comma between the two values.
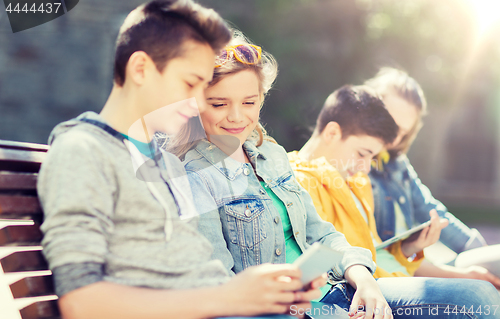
x=354, y=256
x=412, y=264
x=476, y=240
x=73, y=276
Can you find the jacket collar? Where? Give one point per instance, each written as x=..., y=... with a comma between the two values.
x=222, y=162
x=395, y=164
x=386, y=163
x=329, y=176
x=253, y=152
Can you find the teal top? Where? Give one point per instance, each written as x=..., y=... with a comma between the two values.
x=146, y=149
x=292, y=249
x=385, y=259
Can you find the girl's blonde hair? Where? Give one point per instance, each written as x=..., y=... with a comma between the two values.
x=266, y=70
x=390, y=80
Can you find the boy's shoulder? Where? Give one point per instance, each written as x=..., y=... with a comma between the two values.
x=77, y=144
x=80, y=136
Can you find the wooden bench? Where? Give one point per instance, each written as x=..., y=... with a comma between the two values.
x=26, y=288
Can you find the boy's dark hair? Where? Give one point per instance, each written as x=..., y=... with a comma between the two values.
x=359, y=111
x=160, y=27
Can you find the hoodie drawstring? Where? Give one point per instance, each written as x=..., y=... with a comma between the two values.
x=138, y=159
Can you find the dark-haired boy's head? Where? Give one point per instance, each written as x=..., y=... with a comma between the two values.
x=358, y=110
x=354, y=126
x=161, y=27
x=164, y=59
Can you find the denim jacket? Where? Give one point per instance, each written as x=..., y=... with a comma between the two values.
x=239, y=218
x=399, y=181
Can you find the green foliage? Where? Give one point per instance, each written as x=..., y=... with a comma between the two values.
x=323, y=44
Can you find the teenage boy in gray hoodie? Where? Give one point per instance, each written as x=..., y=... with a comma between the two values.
x=118, y=234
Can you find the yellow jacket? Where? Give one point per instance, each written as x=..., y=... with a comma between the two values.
x=334, y=203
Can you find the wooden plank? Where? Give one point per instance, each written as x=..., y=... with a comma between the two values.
x=16, y=222
x=24, y=146
x=20, y=160
x=17, y=166
x=20, y=234
x=17, y=181
x=24, y=261
x=45, y=309
x=14, y=277
x=7, y=154
x=33, y=286
x=11, y=249
x=19, y=205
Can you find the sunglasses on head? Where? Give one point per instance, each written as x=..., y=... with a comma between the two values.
x=244, y=53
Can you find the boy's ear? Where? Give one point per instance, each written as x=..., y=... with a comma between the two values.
x=137, y=66
x=332, y=132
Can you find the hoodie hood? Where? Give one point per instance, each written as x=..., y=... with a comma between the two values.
x=322, y=170
x=334, y=203
x=333, y=199
x=68, y=125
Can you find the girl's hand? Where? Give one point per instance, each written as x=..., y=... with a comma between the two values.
x=478, y=272
x=428, y=236
x=367, y=296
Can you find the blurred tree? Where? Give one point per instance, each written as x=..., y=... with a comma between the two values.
x=323, y=44
x=60, y=69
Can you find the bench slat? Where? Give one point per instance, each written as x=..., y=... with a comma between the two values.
x=19, y=205
x=24, y=261
x=20, y=160
x=13, y=277
x=20, y=234
x=24, y=146
x=20, y=155
x=46, y=309
x=33, y=286
x=17, y=181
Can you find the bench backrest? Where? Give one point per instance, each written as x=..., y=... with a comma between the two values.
x=26, y=288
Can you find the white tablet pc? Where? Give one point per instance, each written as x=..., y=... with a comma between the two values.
x=317, y=260
x=403, y=236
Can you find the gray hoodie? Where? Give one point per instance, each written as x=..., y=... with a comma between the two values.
x=103, y=223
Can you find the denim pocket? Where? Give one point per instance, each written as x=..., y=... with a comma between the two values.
x=245, y=222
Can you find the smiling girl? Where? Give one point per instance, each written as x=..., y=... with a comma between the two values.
x=252, y=209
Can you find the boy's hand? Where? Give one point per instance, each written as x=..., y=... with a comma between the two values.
x=311, y=292
x=426, y=237
x=266, y=289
